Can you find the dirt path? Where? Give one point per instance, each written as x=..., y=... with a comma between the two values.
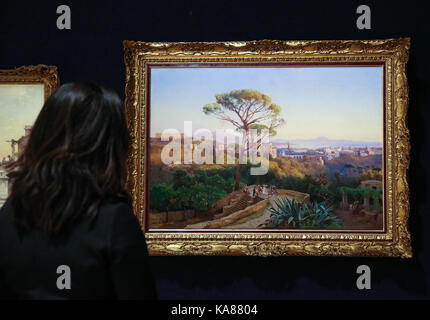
x=261, y=220
x=254, y=223
x=200, y=225
x=258, y=222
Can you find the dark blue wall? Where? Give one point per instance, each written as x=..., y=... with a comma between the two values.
x=93, y=50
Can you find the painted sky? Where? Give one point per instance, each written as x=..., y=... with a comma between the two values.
x=334, y=102
x=19, y=106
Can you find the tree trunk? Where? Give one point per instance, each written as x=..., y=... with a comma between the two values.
x=344, y=203
x=239, y=168
x=366, y=204
x=244, y=147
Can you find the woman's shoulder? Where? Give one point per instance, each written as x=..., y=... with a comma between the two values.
x=124, y=227
x=113, y=205
x=114, y=211
x=112, y=208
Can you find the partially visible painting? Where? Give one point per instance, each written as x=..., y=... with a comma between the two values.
x=23, y=92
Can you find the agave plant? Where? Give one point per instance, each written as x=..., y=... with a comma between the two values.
x=321, y=216
x=287, y=210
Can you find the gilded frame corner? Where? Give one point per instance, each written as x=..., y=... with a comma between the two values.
x=46, y=75
x=391, y=53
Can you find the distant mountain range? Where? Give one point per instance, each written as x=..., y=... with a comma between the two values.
x=323, y=142
x=318, y=142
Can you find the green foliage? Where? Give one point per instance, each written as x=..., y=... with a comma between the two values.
x=360, y=193
x=159, y=197
x=199, y=192
x=354, y=193
x=181, y=198
x=240, y=97
x=320, y=216
x=212, y=108
x=203, y=197
x=314, y=186
x=376, y=197
x=287, y=210
x=243, y=108
x=303, y=216
x=215, y=178
x=364, y=192
x=256, y=126
x=181, y=179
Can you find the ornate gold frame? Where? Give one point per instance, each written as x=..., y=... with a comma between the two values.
x=46, y=75
x=392, y=54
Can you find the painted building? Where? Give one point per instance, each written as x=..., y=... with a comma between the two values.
x=273, y=152
x=4, y=186
x=348, y=152
x=17, y=147
x=375, y=151
x=374, y=184
x=288, y=153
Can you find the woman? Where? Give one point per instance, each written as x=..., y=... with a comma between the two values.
x=67, y=230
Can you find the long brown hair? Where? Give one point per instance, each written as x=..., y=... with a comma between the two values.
x=74, y=159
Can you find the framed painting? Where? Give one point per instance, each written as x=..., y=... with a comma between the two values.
x=23, y=92
x=270, y=147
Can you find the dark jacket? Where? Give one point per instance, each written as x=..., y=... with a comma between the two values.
x=108, y=261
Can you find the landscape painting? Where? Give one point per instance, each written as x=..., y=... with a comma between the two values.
x=265, y=148
x=19, y=104
x=23, y=92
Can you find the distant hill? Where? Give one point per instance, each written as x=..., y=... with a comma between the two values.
x=302, y=143
x=324, y=142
